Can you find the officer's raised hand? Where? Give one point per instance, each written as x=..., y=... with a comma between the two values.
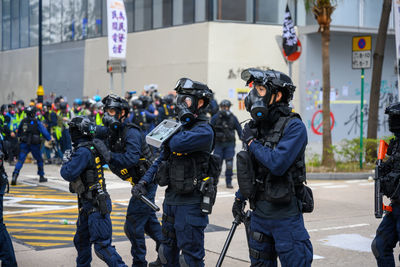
x=102, y=149
x=139, y=189
x=238, y=209
x=249, y=132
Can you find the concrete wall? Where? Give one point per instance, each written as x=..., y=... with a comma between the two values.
x=18, y=74
x=345, y=87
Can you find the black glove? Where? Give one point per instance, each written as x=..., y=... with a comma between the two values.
x=139, y=189
x=249, y=132
x=238, y=209
x=67, y=156
x=102, y=149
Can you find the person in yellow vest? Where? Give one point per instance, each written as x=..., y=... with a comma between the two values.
x=51, y=121
x=98, y=112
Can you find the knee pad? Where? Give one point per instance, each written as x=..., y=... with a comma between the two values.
x=101, y=257
x=161, y=254
x=182, y=261
x=229, y=164
x=374, y=249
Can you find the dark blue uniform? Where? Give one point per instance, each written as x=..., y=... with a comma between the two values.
x=140, y=218
x=225, y=148
x=33, y=148
x=282, y=225
x=183, y=222
x=7, y=255
x=92, y=227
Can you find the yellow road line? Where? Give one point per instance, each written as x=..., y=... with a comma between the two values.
x=45, y=212
x=37, y=231
x=48, y=202
x=43, y=196
x=45, y=219
x=42, y=225
x=33, y=237
x=40, y=244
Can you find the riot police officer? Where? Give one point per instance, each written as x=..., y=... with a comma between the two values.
x=29, y=132
x=129, y=158
x=183, y=165
x=7, y=255
x=83, y=169
x=167, y=109
x=276, y=139
x=387, y=234
x=225, y=124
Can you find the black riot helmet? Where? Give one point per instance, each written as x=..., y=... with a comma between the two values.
x=225, y=103
x=189, y=93
x=169, y=99
x=80, y=127
x=30, y=112
x=393, y=111
x=146, y=101
x=137, y=104
x=274, y=81
x=118, y=104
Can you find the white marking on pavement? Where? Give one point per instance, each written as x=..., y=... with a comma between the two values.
x=339, y=227
x=354, y=181
x=36, y=210
x=317, y=257
x=354, y=242
x=336, y=186
x=366, y=184
x=320, y=184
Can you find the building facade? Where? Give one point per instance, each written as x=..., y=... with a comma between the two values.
x=207, y=40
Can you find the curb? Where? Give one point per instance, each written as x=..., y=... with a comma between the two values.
x=340, y=176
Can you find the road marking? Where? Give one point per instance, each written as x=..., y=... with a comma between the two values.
x=367, y=184
x=320, y=184
x=339, y=227
x=354, y=181
x=336, y=186
x=354, y=242
x=317, y=257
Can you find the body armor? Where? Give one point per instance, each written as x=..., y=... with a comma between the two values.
x=184, y=172
x=30, y=132
x=279, y=189
x=118, y=145
x=140, y=119
x=225, y=128
x=391, y=171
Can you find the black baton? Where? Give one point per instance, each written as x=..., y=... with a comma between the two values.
x=235, y=223
x=149, y=203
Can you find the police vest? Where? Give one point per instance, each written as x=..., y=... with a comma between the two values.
x=30, y=132
x=225, y=128
x=140, y=119
x=169, y=112
x=391, y=171
x=92, y=178
x=279, y=189
x=183, y=172
x=133, y=173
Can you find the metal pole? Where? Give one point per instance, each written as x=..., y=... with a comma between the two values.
x=361, y=118
x=111, y=82
x=40, y=91
x=122, y=83
x=290, y=69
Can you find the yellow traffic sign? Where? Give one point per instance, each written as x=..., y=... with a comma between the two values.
x=361, y=43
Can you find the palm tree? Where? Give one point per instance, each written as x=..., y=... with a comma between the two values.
x=376, y=80
x=322, y=10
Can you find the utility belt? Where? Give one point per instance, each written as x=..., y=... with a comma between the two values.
x=133, y=174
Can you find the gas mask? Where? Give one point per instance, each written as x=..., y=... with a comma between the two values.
x=111, y=122
x=186, y=108
x=257, y=105
x=225, y=113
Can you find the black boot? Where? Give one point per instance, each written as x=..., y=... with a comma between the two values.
x=229, y=185
x=42, y=179
x=14, y=178
x=156, y=263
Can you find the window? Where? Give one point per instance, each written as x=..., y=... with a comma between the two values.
x=6, y=32
x=162, y=13
x=95, y=22
x=15, y=24
x=80, y=19
x=188, y=11
x=33, y=22
x=129, y=14
x=24, y=23
x=68, y=25
x=143, y=16
x=1, y=24
x=46, y=22
x=201, y=10
x=235, y=10
x=55, y=21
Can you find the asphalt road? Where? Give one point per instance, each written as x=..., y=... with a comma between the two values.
x=41, y=220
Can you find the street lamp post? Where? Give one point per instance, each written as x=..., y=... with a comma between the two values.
x=40, y=91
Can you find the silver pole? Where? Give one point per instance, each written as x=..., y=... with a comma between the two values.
x=290, y=69
x=122, y=83
x=111, y=82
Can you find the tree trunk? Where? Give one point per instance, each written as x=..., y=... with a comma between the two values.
x=376, y=79
x=327, y=153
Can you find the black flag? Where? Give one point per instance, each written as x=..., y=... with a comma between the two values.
x=289, y=35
